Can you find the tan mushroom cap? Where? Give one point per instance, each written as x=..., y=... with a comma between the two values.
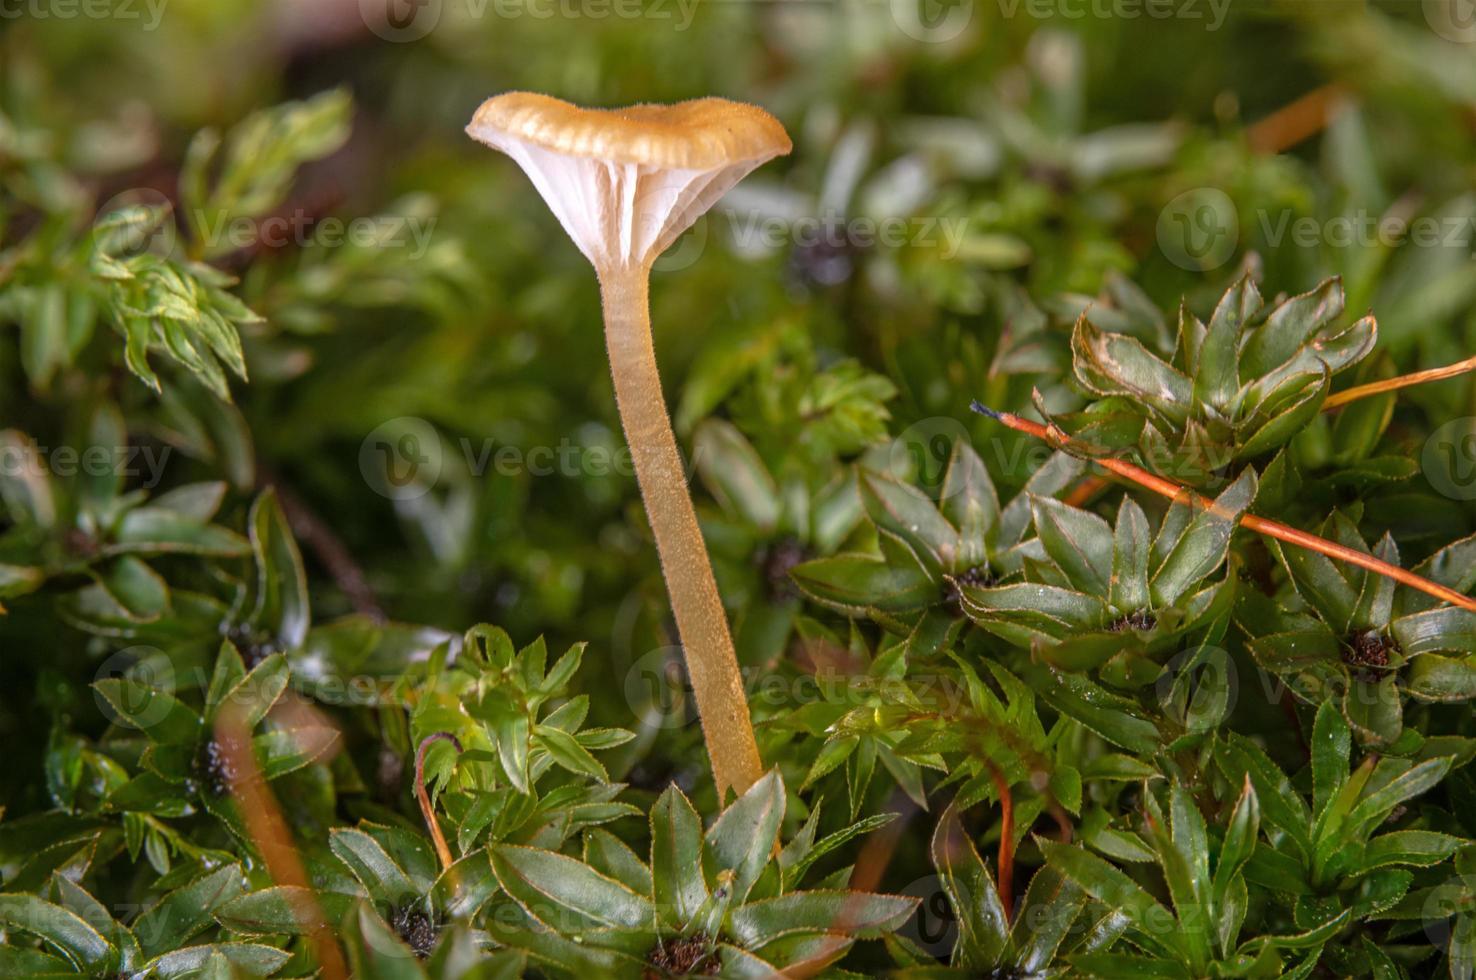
x=700, y=134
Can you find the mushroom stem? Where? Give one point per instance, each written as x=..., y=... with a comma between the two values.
x=708, y=648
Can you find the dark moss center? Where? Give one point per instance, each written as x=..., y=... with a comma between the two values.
x=216, y=768
x=1367, y=651
x=689, y=956
x=979, y=577
x=1138, y=619
x=415, y=927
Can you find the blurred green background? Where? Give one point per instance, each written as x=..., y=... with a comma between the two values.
x=1029, y=150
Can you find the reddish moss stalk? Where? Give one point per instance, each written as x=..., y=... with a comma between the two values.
x=1006, y=884
x=427, y=809
x=1393, y=384
x=1272, y=529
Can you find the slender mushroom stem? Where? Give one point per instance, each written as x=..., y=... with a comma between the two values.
x=722, y=705
x=1403, y=381
x=1272, y=529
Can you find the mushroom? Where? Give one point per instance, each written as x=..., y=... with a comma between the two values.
x=625, y=183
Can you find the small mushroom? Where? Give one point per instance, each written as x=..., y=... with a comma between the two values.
x=625, y=183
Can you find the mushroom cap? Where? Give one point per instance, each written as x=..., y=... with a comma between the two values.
x=625, y=183
x=700, y=134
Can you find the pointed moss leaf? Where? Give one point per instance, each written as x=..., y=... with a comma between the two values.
x=1436, y=678
x=743, y=836
x=1130, y=549
x=906, y=514
x=1447, y=629
x=1078, y=541
x=849, y=913
x=1283, y=807
x=1240, y=840
x=59, y=928
x=1331, y=748
x=1194, y=553
x=380, y=953
x=156, y=714
x=186, y=912
x=856, y=583
x=732, y=470
x=971, y=504
x=1289, y=326
x=678, y=885
x=281, y=585
x=965, y=879
x=1112, y=364
x=279, y=910
x=383, y=879
x=1216, y=366
x=251, y=959
x=566, y=893
x=1374, y=709
x=1114, y=889
x=613, y=858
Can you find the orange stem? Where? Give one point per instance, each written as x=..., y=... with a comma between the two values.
x=1272, y=529
x=269, y=831
x=1006, y=842
x=1403, y=381
x=1294, y=122
x=427, y=809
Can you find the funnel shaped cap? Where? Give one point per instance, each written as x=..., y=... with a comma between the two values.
x=625, y=183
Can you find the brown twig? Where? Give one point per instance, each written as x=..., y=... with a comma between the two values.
x=329, y=549
x=426, y=807
x=269, y=832
x=1292, y=123
x=1393, y=384
x=1272, y=529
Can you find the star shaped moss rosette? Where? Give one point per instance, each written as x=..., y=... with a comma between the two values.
x=929, y=552
x=1339, y=632
x=1117, y=598
x=724, y=901
x=1233, y=389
